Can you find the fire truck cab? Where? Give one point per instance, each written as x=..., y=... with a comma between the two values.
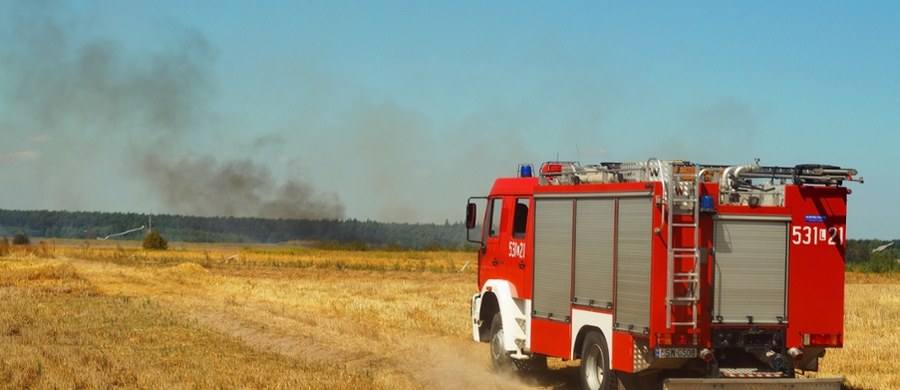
x=657, y=269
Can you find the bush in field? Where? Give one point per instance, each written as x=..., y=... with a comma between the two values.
x=154, y=240
x=21, y=239
x=4, y=246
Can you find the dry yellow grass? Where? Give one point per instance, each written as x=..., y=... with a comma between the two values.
x=259, y=319
x=232, y=256
x=223, y=316
x=57, y=330
x=870, y=358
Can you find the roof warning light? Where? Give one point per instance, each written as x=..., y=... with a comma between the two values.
x=525, y=170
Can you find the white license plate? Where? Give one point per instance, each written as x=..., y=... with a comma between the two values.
x=668, y=353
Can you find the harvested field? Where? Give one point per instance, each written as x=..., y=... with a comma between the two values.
x=225, y=316
x=870, y=358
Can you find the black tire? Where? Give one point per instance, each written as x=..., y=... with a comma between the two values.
x=500, y=360
x=596, y=373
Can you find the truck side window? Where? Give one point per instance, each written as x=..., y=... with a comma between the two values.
x=520, y=220
x=496, y=208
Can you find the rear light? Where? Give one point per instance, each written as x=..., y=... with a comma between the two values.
x=795, y=353
x=664, y=339
x=823, y=339
x=707, y=355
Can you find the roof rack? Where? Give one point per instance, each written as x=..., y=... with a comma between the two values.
x=733, y=176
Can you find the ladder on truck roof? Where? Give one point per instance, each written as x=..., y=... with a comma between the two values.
x=681, y=189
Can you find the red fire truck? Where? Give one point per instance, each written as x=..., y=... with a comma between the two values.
x=663, y=270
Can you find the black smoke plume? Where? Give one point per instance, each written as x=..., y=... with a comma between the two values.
x=98, y=101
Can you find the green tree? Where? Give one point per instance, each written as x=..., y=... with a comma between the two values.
x=154, y=240
x=21, y=239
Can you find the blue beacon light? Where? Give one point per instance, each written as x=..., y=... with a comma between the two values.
x=525, y=170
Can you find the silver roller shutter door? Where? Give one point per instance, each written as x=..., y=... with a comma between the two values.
x=633, y=265
x=750, y=271
x=594, y=234
x=553, y=258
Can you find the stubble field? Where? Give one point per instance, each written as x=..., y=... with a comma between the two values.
x=77, y=315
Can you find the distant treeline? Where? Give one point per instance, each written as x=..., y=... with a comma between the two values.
x=91, y=225
x=347, y=234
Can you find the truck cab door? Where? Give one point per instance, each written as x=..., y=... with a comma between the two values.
x=515, y=244
x=489, y=257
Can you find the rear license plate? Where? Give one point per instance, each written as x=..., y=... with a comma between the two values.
x=668, y=353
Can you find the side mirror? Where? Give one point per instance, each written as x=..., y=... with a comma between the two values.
x=471, y=215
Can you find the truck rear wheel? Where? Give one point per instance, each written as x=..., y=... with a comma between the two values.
x=596, y=373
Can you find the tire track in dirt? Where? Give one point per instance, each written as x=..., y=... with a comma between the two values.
x=412, y=362
x=397, y=360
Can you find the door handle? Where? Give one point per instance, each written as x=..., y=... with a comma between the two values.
x=494, y=262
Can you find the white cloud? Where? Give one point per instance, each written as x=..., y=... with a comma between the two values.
x=18, y=157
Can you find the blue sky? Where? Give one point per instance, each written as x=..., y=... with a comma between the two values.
x=398, y=111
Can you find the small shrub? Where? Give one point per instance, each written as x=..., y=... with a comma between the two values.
x=21, y=239
x=154, y=240
x=4, y=246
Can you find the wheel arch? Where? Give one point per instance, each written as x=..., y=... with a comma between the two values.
x=578, y=345
x=489, y=307
x=497, y=296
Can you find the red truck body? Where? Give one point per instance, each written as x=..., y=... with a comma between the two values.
x=676, y=267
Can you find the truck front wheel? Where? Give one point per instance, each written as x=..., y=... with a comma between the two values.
x=595, y=368
x=500, y=360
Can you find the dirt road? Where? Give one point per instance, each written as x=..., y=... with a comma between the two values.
x=401, y=329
